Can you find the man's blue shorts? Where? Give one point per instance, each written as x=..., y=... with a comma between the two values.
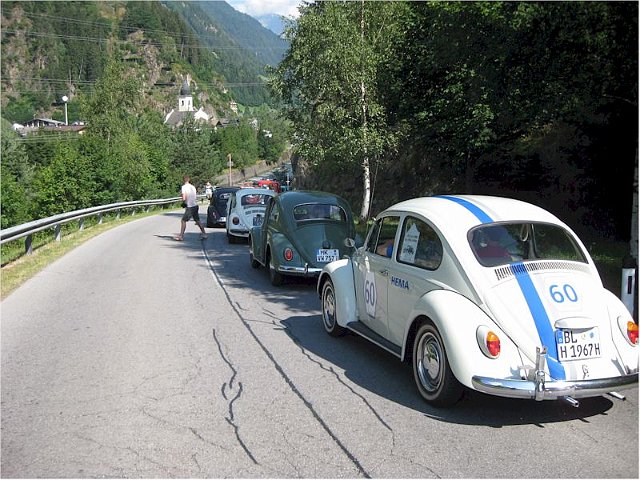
x=191, y=212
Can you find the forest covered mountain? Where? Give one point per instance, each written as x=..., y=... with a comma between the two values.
x=52, y=48
x=120, y=67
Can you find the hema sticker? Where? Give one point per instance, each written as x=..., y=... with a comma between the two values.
x=400, y=282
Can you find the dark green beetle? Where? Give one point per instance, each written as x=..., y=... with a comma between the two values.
x=301, y=232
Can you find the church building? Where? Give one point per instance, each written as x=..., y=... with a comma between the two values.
x=185, y=108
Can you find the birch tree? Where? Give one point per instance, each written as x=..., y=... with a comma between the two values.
x=332, y=84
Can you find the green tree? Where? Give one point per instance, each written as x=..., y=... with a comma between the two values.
x=66, y=184
x=16, y=174
x=332, y=83
x=194, y=154
x=15, y=208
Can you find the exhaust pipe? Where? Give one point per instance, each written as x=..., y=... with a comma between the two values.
x=617, y=395
x=571, y=401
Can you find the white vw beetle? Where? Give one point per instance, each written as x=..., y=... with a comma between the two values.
x=245, y=209
x=488, y=293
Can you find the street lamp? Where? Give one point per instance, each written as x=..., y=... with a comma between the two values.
x=65, y=99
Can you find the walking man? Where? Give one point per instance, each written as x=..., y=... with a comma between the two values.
x=190, y=200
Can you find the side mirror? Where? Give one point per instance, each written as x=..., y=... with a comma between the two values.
x=349, y=242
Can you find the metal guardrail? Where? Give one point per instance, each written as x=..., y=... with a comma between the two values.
x=56, y=221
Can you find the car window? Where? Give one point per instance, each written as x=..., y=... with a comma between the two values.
x=254, y=199
x=382, y=236
x=319, y=211
x=221, y=199
x=274, y=214
x=499, y=244
x=419, y=245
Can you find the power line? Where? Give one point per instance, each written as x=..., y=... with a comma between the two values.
x=66, y=81
x=135, y=42
x=192, y=35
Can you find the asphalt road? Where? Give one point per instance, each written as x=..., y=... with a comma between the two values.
x=141, y=357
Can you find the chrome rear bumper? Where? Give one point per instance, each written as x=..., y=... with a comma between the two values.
x=540, y=389
x=306, y=270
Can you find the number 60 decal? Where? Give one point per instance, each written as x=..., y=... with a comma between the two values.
x=560, y=294
x=370, y=294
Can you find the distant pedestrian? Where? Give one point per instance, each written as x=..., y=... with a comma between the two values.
x=208, y=190
x=190, y=202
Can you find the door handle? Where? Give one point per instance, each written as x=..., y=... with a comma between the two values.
x=384, y=273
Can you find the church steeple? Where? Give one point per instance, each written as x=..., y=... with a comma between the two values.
x=185, y=89
x=185, y=100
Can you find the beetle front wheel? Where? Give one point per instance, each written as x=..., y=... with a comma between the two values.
x=431, y=371
x=329, y=317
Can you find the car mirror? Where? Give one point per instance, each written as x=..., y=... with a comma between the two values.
x=349, y=242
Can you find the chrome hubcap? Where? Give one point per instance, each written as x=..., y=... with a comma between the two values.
x=429, y=362
x=329, y=308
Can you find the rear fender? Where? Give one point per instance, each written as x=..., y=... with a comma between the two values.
x=619, y=316
x=457, y=319
x=340, y=273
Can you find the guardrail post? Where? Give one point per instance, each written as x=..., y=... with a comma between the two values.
x=81, y=224
x=28, y=248
x=133, y=212
x=118, y=215
x=100, y=219
x=58, y=232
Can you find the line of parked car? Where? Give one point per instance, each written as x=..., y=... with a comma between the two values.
x=483, y=293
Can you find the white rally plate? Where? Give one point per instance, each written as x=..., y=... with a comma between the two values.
x=326, y=255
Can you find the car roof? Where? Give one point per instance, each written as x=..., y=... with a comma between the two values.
x=463, y=212
x=225, y=189
x=254, y=191
x=292, y=198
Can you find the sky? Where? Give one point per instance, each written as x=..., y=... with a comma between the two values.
x=256, y=8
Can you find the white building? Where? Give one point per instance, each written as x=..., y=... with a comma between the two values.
x=185, y=108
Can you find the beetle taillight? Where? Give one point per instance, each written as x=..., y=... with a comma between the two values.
x=488, y=341
x=288, y=254
x=632, y=332
x=493, y=344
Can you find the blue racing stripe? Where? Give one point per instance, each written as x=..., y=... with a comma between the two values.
x=477, y=211
x=538, y=312
x=541, y=319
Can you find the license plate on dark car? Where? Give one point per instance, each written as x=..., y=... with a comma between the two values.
x=326, y=255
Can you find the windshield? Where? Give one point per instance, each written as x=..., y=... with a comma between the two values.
x=319, y=211
x=499, y=244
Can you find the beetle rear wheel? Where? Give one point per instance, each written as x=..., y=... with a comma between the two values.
x=277, y=279
x=329, y=317
x=431, y=371
x=254, y=262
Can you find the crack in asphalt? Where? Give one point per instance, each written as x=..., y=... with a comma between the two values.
x=140, y=456
x=229, y=364
x=231, y=418
x=297, y=341
x=283, y=374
